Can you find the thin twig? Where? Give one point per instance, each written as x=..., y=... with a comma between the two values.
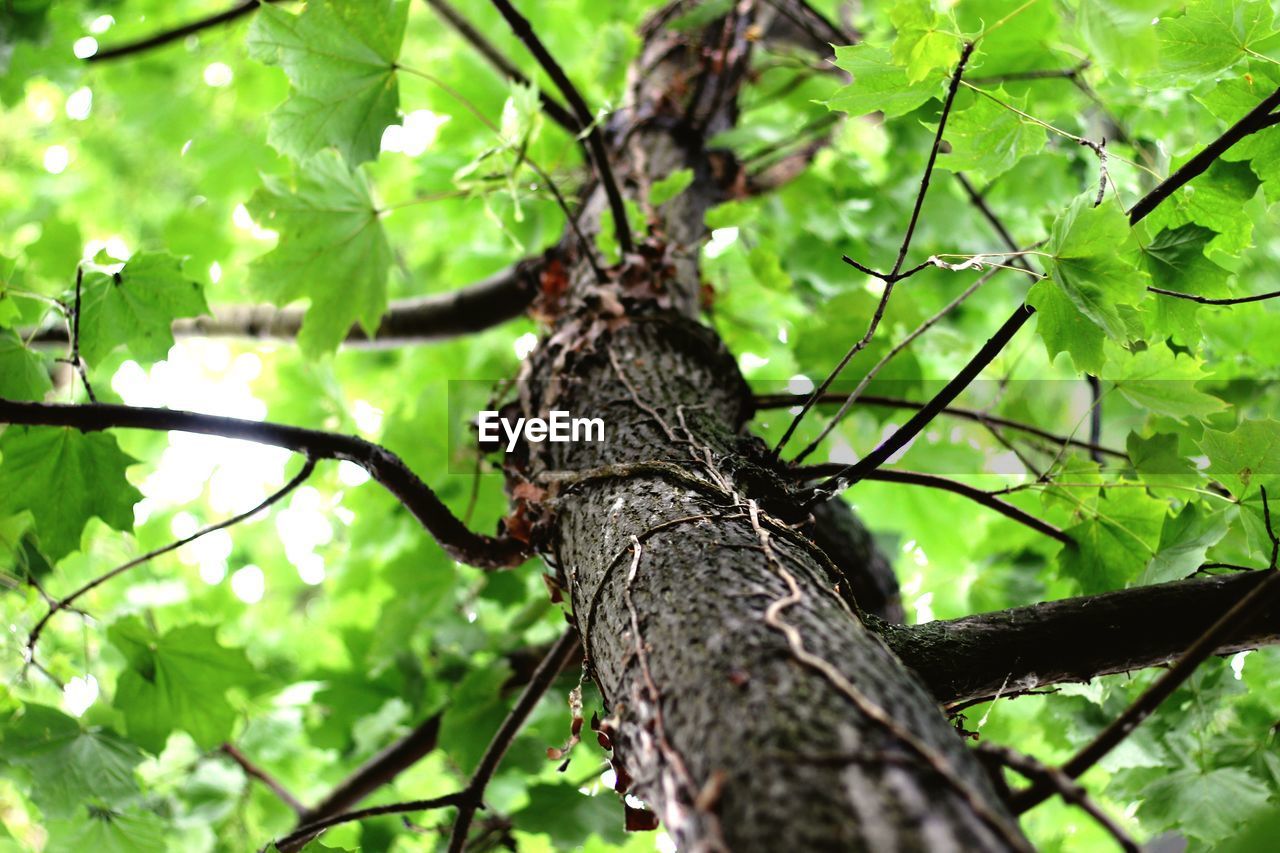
x=66, y=601
x=180, y=32
x=1205, y=300
x=599, y=156
x=886, y=358
x=933, y=481
x=1256, y=120
x=556, y=111
x=472, y=798
x=1095, y=417
x=1047, y=74
x=780, y=401
x=299, y=836
x=254, y=771
x=76, y=361
x=1271, y=531
x=892, y=278
x=461, y=543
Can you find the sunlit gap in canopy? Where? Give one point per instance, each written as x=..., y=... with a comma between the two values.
x=209, y=377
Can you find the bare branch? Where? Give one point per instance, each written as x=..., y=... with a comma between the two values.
x=76, y=361
x=893, y=277
x=479, y=306
x=1046, y=74
x=460, y=543
x=543, y=676
x=555, y=110
x=1254, y=603
x=180, y=32
x=296, y=839
x=1205, y=300
x=889, y=356
x=255, y=772
x=1071, y=791
x=780, y=401
x=933, y=481
x=66, y=601
x=1021, y=649
x=1259, y=118
x=377, y=771
x=599, y=156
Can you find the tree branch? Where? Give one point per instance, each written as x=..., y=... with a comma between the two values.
x=460, y=543
x=1257, y=119
x=521, y=27
x=66, y=601
x=1258, y=600
x=180, y=32
x=294, y=840
x=1071, y=791
x=782, y=401
x=1023, y=648
x=932, y=481
x=1205, y=300
x=543, y=676
x=377, y=771
x=556, y=111
x=479, y=306
x=255, y=772
x=893, y=277
x=897, y=348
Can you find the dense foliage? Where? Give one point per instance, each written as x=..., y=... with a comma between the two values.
x=348, y=154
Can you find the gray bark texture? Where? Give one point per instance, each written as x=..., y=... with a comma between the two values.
x=747, y=702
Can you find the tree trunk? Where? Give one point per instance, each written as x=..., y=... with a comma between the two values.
x=748, y=703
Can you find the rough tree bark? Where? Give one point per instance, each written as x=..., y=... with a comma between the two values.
x=749, y=703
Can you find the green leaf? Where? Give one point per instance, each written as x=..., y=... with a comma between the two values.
x=670, y=186
x=920, y=45
x=1157, y=380
x=879, y=85
x=1215, y=200
x=176, y=682
x=1184, y=540
x=1206, y=805
x=1175, y=261
x=475, y=709
x=106, y=831
x=1059, y=326
x=332, y=250
x=767, y=269
x=1119, y=32
x=70, y=765
x=1089, y=266
x=1158, y=460
x=341, y=59
x=568, y=816
x=23, y=374
x=1241, y=457
x=1210, y=36
x=137, y=307
x=988, y=139
x=1114, y=546
x=65, y=477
